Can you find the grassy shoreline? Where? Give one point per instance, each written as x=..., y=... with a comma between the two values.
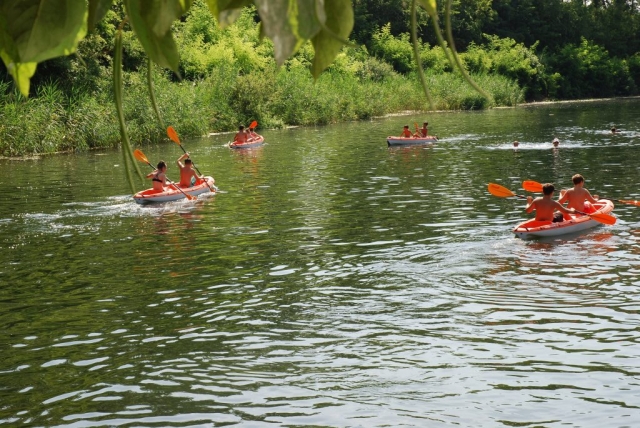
x=56, y=122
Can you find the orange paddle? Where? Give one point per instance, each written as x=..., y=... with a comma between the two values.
x=503, y=192
x=173, y=135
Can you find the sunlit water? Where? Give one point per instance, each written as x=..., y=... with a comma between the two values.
x=332, y=282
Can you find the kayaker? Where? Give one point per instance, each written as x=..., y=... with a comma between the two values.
x=579, y=198
x=188, y=175
x=545, y=206
x=405, y=132
x=241, y=136
x=422, y=132
x=159, y=177
x=252, y=133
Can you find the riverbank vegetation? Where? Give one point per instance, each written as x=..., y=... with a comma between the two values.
x=229, y=77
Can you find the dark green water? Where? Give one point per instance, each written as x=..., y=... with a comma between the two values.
x=332, y=282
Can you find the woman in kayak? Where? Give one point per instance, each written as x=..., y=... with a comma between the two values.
x=159, y=177
x=546, y=206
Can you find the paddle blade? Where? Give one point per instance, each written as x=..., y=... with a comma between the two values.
x=253, y=124
x=636, y=203
x=140, y=156
x=173, y=135
x=500, y=191
x=532, y=186
x=604, y=218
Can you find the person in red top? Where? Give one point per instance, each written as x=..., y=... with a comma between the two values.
x=241, y=137
x=406, y=133
x=422, y=132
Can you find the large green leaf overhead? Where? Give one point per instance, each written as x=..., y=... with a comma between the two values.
x=151, y=21
x=289, y=23
x=97, y=10
x=32, y=31
x=328, y=42
x=227, y=11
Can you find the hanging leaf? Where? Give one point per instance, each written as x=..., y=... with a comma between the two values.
x=329, y=41
x=227, y=11
x=32, y=31
x=285, y=24
x=97, y=10
x=151, y=21
x=21, y=72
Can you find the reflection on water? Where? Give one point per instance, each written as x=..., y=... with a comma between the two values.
x=332, y=282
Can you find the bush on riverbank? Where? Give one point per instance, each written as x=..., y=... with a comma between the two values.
x=274, y=97
x=229, y=78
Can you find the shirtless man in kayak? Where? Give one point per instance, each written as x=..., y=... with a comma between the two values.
x=188, y=175
x=405, y=132
x=579, y=198
x=241, y=136
x=546, y=206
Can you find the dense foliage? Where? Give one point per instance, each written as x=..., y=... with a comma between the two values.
x=516, y=51
x=563, y=49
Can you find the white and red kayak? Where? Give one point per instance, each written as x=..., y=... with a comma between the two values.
x=403, y=141
x=170, y=192
x=251, y=142
x=531, y=228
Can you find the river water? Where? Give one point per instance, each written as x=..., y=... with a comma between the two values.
x=332, y=281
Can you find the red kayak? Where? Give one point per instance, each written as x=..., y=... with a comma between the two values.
x=170, y=192
x=252, y=142
x=403, y=141
x=575, y=224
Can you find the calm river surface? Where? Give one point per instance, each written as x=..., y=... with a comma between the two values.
x=332, y=282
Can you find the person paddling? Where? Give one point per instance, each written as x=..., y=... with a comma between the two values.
x=422, y=132
x=188, y=175
x=546, y=206
x=579, y=198
x=159, y=177
x=241, y=136
x=405, y=132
